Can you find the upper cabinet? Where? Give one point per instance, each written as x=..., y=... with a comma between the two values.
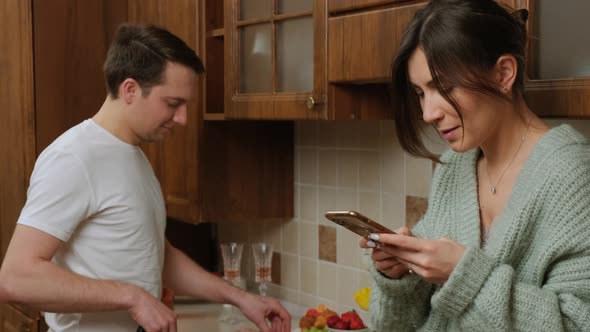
x=558, y=57
x=275, y=59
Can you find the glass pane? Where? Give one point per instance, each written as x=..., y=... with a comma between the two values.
x=255, y=58
x=561, y=31
x=295, y=55
x=250, y=9
x=294, y=6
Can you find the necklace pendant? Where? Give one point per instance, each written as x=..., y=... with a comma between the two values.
x=493, y=190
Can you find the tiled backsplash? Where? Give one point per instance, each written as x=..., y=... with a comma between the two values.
x=340, y=165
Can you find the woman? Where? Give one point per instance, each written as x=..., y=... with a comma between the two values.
x=504, y=244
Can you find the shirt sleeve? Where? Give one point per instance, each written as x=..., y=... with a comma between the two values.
x=60, y=195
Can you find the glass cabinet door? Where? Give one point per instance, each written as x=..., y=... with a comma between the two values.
x=276, y=58
x=558, y=57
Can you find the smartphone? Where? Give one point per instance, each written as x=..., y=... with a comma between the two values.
x=357, y=223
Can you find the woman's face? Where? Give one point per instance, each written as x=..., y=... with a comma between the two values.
x=480, y=115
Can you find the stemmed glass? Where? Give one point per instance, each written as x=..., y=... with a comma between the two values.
x=262, y=262
x=232, y=259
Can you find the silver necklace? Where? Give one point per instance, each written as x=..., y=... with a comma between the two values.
x=492, y=185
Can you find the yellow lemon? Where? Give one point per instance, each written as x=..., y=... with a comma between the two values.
x=361, y=297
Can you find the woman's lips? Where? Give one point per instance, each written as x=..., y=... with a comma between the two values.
x=448, y=134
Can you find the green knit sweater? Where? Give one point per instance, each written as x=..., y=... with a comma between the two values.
x=533, y=273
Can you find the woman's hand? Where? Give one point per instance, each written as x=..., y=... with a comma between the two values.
x=385, y=263
x=433, y=260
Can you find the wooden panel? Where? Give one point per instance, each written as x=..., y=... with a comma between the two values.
x=347, y=5
x=375, y=35
x=176, y=157
x=360, y=102
x=559, y=98
x=17, y=128
x=248, y=175
x=278, y=107
x=71, y=41
x=12, y=320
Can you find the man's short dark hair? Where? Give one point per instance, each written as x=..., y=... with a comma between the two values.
x=141, y=52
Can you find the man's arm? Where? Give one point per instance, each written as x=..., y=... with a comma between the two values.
x=186, y=277
x=29, y=277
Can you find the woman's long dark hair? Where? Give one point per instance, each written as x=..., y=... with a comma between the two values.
x=462, y=40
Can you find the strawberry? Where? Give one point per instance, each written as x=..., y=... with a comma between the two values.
x=357, y=325
x=332, y=320
x=341, y=325
x=312, y=313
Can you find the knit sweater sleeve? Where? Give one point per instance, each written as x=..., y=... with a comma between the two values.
x=484, y=295
x=404, y=304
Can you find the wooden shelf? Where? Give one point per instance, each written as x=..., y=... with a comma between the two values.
x=214, y=116
x=216, y=33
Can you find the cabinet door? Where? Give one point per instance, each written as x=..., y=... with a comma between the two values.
x=558, y=64
x=175, y=160
x=71, y=39
x=17, y=128
x=12, y=320
x=275, y=59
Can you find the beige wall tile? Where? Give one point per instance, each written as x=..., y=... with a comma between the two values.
x=257, y=232
x=297, y=203
x=308, y=275
x=348, y=251
x=415, y=209
x=348, y=135
x=364, y=279
x=347, y=286
x=290, y=271
x=369, y=175
x=233, y=232
x=308, y=199
x=347, y=199
x=418, y=176
x=291, y=237
x=328, y=167
x=369, y=134
x=308, y=166
x=392, y=172
x=369, y=205
x=306, y=133
x=308, y=240
x=328, y=200
x=393, y=210
x=328, y=281
x=327, y=243
x=272, y=233
x=328, y=133
x=348, y=168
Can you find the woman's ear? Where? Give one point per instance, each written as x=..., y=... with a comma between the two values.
x=506, y=71
x=128, y=89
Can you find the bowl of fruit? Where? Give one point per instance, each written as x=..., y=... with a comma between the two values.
x=322, y=319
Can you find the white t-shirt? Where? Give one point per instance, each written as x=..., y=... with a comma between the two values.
x=100, y=196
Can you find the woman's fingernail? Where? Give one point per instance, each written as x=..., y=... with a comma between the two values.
x=374, y=237
x=371, y=244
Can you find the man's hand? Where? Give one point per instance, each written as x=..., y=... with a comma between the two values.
x=259, y=309
x=151, y=314
x=385, y=263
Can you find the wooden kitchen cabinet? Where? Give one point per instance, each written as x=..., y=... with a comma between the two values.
x=275, y=59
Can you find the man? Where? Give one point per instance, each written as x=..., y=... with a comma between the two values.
x=89, y=246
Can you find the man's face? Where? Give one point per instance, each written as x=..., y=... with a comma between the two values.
x=152, y=117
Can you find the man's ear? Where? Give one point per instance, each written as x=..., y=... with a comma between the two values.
x=128, y=90
x=506, y=70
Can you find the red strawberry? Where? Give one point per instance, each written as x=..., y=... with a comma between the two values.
x=341, y=325
x=312, y=313
x=350, y=316
x=357, y=325
x=332, y=320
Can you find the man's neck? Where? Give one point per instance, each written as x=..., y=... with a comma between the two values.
x=111, y=117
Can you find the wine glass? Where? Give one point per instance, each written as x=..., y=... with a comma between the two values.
x=231, y=253
x=262, y=262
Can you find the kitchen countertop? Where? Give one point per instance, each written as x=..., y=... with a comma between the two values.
x=207, y=317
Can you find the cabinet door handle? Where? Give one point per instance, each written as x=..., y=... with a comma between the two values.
x=310, y=102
